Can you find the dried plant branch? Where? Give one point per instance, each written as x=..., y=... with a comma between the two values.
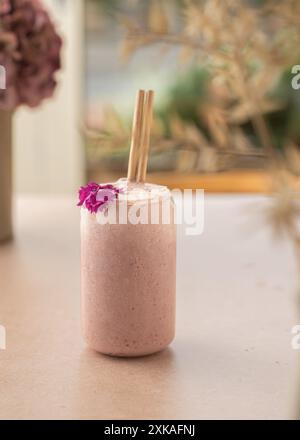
x=229, y=36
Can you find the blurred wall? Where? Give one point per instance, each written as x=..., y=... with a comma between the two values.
x=48, y=154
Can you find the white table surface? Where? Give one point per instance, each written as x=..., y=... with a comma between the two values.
x=232, y=356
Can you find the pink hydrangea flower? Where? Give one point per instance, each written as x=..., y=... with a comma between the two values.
x=29, y=51
x=95, y=197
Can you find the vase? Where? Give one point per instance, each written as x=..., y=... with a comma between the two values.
x=6, y=230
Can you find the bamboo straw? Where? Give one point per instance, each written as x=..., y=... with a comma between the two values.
x=145, y=140
x=136, y=136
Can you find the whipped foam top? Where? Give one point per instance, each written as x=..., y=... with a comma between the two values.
x=132, y=191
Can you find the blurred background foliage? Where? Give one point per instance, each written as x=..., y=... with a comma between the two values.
x=225, y=95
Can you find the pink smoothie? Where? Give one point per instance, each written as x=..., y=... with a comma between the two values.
x=128, y=282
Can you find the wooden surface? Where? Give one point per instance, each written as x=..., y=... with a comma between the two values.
x=233, y=181
x=232, y=356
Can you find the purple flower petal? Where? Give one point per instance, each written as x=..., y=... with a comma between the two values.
x=96, y=197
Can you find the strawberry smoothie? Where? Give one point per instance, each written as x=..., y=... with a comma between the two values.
x=129, y=276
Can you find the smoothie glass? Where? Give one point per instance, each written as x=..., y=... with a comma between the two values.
x=128, y=273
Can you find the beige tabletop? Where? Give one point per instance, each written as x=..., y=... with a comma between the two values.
x=232, y=357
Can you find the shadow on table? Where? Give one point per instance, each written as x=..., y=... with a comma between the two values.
x=129, y=388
